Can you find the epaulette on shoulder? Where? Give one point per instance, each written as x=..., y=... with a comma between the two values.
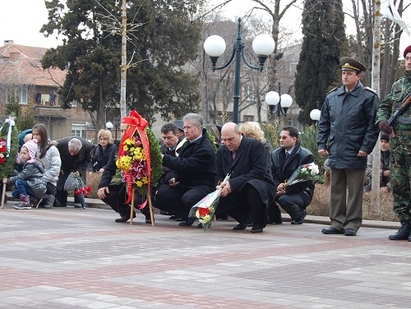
x=332, y=90
x=370, y=89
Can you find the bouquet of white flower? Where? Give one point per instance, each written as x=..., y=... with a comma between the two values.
x=304, y=172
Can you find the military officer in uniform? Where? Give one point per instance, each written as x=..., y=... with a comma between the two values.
x=400, y=148
x=347, y=133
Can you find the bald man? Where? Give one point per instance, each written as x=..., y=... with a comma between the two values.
x=250, y=190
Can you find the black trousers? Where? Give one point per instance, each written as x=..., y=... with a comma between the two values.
x=116, y=198
x=243, y=206
x=177, y=200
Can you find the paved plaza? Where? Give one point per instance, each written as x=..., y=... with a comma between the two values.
x=75, y=258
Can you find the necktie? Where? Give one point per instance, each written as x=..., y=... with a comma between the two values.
x=234, y=153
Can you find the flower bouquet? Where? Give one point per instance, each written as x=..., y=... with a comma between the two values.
x=8, y=152
x=139, y=160
x=303, y=173
x=204, y=210
x=82, y=191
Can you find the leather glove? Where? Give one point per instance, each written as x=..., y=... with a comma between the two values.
x=383, y=125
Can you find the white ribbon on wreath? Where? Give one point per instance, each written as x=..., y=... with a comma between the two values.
x=12, y=123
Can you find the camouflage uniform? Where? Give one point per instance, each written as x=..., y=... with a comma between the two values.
x=400, y=146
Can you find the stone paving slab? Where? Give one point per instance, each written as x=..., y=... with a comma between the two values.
x=75, y=258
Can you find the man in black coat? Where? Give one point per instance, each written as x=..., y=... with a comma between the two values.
x=194, y=168
x=75, y=154
x=114, y=193
x=250, y=189
x=285, y=160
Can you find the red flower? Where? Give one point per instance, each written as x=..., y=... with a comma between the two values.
x=78, y=192
x=203, y=211
x=1, y=160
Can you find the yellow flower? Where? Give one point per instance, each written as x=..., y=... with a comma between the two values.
x=124, y=163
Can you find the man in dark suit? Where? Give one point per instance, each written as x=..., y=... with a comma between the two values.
x=75, y=154
x=194, y=168
x=246, y=196
x=285, y=160
x=171, y=135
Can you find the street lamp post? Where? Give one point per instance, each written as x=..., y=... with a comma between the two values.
x=110, y=126
x=280, y=102
x=315, y=115
x=214, y=46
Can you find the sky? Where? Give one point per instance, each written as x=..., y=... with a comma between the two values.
x=21, y=21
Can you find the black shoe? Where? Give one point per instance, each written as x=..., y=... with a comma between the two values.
x=350, y=232
x=331, y=230
x=298, y=221
x=189, y=222
x=199, y=226
x=275, y=220
x=173, y=217
x=122, y=219
x=60, y=204
x=240, y=227
x=257, y=228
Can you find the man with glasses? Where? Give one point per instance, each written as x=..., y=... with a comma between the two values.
x=285, y=160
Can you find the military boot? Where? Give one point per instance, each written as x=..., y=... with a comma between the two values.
x=403, y=233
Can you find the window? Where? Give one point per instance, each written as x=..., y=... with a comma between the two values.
x=248, y=118
x=78, y=129
x=19, y=95
x=23, y=96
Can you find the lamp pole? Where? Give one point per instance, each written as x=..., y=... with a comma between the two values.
x=214, y=46
x=280, y=102
x=315, y=115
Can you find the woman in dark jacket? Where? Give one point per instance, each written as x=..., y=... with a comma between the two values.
x=101, y=153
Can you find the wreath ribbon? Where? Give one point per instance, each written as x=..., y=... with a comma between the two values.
x=11, y=123
x=137, y=123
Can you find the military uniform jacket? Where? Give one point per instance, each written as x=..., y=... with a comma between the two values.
x=347, y=125
x=195, y=166
x=250, y=166
x=393, y=100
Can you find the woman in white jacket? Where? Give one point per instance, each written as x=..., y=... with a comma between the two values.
x=50, y=156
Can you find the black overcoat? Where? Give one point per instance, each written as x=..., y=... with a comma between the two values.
x=250, y=166
x=195, y=167
x=70, y=163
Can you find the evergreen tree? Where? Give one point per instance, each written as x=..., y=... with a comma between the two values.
x=162, y=37
x=318, y=68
